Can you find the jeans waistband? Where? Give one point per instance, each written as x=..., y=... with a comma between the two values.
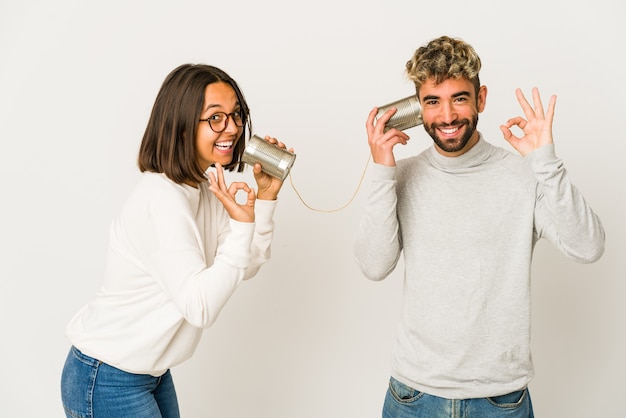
x=84, y=357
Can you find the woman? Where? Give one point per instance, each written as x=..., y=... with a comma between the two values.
x=178, y=250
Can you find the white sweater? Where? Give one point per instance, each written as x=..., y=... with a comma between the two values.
x=467, y=227
x=175, y=257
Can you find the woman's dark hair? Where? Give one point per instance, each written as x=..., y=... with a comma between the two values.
x=168, y=145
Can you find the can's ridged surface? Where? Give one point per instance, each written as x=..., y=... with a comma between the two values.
x=408, y=114
x=274, y=161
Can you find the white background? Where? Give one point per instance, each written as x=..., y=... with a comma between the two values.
x=309, y=337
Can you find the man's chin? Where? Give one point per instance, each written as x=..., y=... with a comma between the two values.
x=450, y=145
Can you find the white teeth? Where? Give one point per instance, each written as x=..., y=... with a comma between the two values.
x=449, y=130
x=224, y=145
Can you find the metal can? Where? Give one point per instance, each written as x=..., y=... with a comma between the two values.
x=408, y=114
x=274, y=160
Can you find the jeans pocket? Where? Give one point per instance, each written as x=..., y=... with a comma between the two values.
x=403, y=393
x=510, y=400
x=77, y=382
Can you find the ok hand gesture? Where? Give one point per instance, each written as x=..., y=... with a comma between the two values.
x=226, y=195
x=537, y=127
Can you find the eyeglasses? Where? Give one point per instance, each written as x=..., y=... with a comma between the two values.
x=218, y=121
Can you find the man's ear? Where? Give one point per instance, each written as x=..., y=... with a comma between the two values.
x=481, y=100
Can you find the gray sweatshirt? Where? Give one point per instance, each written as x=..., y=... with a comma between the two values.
x=466, y=227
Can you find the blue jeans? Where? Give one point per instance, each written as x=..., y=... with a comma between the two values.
x=403, y=401
x=93, y=389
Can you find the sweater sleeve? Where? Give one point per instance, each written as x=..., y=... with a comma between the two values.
x=200, y=286
x=377, y=244
x=562, y=215
x=245, y=249
x=260, y=251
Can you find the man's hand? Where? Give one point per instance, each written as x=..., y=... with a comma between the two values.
x=537, y=127
x=381, y=143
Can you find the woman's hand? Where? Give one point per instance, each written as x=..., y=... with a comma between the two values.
x=226, y=195
x=268, y=186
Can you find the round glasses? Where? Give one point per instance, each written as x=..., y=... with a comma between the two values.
x=218, y=121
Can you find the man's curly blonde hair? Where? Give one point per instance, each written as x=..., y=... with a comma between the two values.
x=444, y=58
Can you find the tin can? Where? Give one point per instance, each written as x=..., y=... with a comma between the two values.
x=408, y=114
x=274, y=160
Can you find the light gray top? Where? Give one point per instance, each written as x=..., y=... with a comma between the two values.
x=467, y=227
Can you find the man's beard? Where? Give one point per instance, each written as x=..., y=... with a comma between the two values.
x=431, y=129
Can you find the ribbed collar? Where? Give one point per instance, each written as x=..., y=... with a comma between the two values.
x=472, y=158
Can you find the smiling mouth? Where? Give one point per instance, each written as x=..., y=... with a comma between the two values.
x=224, y=146
x=450, y=130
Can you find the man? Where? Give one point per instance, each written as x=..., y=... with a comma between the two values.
x=466, y=216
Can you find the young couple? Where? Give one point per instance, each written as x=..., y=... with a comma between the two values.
x=464, y=214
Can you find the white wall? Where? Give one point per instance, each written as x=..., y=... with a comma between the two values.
x=309, y=337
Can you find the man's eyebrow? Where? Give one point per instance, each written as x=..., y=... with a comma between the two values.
x=454, y=96
x=461, y=93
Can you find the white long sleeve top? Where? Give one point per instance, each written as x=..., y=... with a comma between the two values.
x=175, y=258
x=466, y=227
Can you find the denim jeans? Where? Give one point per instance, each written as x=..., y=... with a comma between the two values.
x=403, y=401
x=93, y=389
